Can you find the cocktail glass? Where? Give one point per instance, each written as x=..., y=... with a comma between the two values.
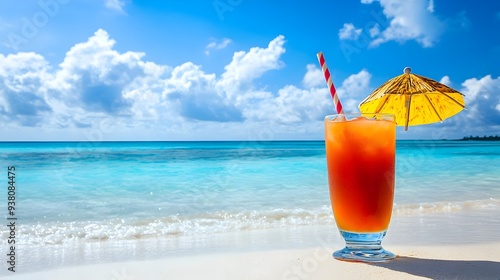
x=360, y=152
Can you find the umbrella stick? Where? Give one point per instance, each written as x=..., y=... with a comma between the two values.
x=408, y=106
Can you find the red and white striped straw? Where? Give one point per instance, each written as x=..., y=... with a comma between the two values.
x=329, y=82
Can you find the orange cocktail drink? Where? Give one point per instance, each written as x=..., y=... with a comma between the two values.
x=360, y=152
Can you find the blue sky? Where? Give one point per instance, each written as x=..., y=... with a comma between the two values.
x=233, y=69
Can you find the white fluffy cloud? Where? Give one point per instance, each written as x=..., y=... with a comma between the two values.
x=245, y=67
x=97, y=90
x=313, y=77
x=349, y=32
x=446, y=81
x=96, y=82
x=354, y=89
x=482, y=99
x=22, y=88
x=407, y=20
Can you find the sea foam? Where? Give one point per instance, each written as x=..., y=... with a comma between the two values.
x=215, y=222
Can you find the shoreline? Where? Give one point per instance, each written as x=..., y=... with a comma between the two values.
x=417, y=239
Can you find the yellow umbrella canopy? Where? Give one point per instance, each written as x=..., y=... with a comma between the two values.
x=414, y=100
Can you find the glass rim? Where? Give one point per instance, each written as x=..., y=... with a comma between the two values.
x=349, y=115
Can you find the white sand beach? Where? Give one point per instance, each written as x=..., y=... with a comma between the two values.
x=468, y=261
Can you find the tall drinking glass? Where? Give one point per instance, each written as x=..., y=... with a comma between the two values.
x=360, y=153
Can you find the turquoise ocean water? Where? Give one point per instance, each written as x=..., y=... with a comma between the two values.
x=69, y=191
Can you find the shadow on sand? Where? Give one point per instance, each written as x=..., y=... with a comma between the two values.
x=445, y=269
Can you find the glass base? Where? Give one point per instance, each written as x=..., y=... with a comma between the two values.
x=363, y=247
